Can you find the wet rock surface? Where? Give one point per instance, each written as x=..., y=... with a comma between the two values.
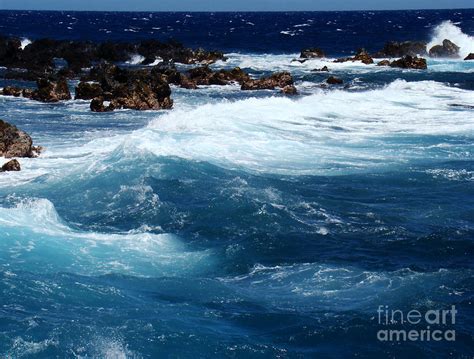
x=15, y=142
x=12, y=165
x=447, y=50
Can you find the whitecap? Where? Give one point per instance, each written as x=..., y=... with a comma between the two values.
x=448, y=30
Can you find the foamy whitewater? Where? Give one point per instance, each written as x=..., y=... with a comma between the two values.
x=245, y=224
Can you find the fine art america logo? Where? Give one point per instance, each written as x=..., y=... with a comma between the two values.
x=431, y=325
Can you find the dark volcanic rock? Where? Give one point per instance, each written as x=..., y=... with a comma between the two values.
x=88, y=91
x=98, y=105
x=447, y=49
x=383, y=63
x=15, y=142
x=10, y=50
x=312, y=53
x=279, y=79
x=334, y=81
x=12, y=165
x=12, y=91
x=174, y=51
x=400, y=49
x=410, y=62
x=323, y=69
x=132, y=89
x=289, y=90
x=205, y=76
x=41, y=55
x=469, y=57
x=361, y=55
x=50, y=91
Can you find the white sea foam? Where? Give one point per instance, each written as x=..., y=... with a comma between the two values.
x=24, y=43
x=135, y=59
x=318, y=133
x=329, y=132
x=448, y=30
x=35, y=224
x=327, y=287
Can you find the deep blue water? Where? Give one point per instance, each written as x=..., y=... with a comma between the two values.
x=336, y=32
x=245, y=224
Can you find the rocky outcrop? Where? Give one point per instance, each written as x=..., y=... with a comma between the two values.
x=469, y=57
x=322, y=69
x=12, y=165
x=361, y=55
x=334, y=81
x=383, y=63
x=38, y=58
x=447, y=50
x=205, y=76
x=15, y=142
x=88, y=91
x=410, y=62
x=12, y=91
x=312, y=53
x=47, y=91
x=279, y=79
x=118, y=88
x=289, y=90
x=51, y=91
x=400, y=49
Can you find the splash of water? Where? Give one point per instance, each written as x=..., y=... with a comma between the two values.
x=447, y=30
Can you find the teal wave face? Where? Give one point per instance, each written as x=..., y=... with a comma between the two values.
x=244, y=224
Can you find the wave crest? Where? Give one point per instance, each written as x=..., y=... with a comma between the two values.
x=448, y=30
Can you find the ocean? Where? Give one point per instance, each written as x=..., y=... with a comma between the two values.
x=246, y=224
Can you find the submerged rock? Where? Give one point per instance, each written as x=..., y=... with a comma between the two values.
x=322, y=69
x=12, y=165
x=15, y=142
x=334, y=81
x=361, y=55
x=400, y=49
x=312, y=53
x=12, y=91
x=448, y=49
x=364, y=57
x=289, y=90
x=410, y=62
x=205, y=76
x=383, y=63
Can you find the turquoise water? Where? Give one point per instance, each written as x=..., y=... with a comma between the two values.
x=244, y=224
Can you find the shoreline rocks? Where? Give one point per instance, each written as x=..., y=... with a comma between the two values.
x=312, y=53
x=15, y=142
x=279, y=79
x=469, y=57
x=447, y=50
x=40, y=55
x=47, y=91
x=410, y=62
x=401, y=49
x=116, y=88
x=361, y=56
x=12, y=165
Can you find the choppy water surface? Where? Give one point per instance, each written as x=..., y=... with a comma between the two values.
x=244, y=224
